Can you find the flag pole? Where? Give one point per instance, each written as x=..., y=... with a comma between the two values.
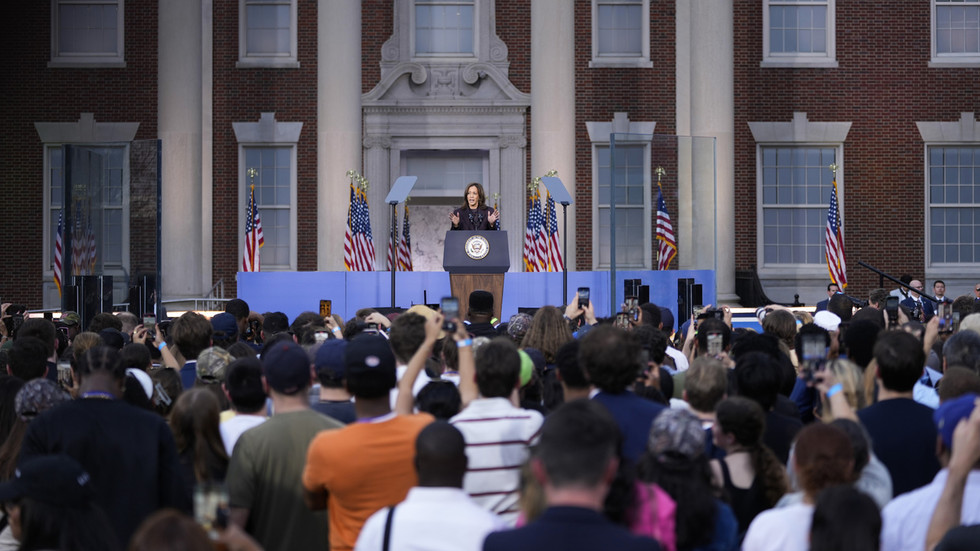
x=394, y=248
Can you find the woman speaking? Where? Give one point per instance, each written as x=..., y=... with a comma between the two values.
x=474, y=214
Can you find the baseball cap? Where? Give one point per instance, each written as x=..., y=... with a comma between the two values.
x=425, y=312
x=224, y=323
x=331, y=356
x=112, y=338
x=53, y=479
x=676, y=432
x=371, y=356
x=36, y=396
x=527, y=367
x=286, y=367
x=827, y=320
x=212, y=364
x=950, y=413
x=71, y=318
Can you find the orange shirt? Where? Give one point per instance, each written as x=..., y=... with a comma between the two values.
x=364, y=467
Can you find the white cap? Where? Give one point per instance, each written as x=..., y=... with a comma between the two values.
x=827, y=320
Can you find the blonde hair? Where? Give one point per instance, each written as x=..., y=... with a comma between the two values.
x=851, y=378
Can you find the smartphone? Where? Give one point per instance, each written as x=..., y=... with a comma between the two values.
x=64, y=374
x=945, y=317
x=325, y=308
x=715, y=341
x=622, y=320
x=150, y=324
x=956, y=321
x=891, y=307
x=583, y=297
x=698, y=310
x=450, y=312
x=814, y=353
x=633, y=308
x=211, y=508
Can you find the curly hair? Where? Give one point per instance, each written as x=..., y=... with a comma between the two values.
x=744, y=419
x=547, y=332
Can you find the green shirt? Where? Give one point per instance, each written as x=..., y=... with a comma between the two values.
x=265, y=476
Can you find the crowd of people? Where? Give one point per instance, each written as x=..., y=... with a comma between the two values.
x=847, y=429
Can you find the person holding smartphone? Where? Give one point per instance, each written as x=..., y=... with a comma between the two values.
x=474, y=214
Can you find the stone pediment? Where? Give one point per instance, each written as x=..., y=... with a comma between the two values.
x=461, y=84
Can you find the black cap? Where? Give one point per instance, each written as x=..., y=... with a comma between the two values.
x=53, y=479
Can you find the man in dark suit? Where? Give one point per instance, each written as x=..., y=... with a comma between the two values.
x=575, y=463
x=832, y=289
x=919, y=310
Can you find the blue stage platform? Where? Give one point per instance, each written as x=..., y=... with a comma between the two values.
x=296, y=292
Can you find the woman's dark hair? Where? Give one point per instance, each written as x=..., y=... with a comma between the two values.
x=166, y=389
x=167, y=530
x=101, y=358
x=845, y=519
x=10, y=449
x=744, y=419
x=482, y=202
x=688, y=482
x=860, y=441
x=242, y=350
x=440, y=398
x=45, y=526
x=136, y=356
x=194, y=422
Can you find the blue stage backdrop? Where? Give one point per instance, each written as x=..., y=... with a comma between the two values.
x=296, y=292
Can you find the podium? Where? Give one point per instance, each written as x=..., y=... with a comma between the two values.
x=476, y=260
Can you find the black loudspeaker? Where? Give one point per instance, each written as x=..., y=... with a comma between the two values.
x=644, y=294
x=94, y=295
x=527, y=310
x=385, y=310
x=685, y=300
x=147, y=302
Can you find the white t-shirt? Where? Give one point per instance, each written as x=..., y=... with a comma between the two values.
x=460, y=524
x=786, y=529
x=235, y=426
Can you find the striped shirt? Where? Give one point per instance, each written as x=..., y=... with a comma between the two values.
x=498, y=437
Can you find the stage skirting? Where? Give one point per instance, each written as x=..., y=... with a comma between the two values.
x=296, y=292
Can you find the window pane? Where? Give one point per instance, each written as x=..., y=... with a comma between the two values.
x=88, y=29
x=953, y=229
x=268, y=29
x=444, y=27
x=446, y=172
x=794, y=232
x=619, y=28
x=798, y=27
x=958, y=28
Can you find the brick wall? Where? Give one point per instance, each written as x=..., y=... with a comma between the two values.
x=646, y=95
x=241, y=95
x=32, y=93
x=883, y=85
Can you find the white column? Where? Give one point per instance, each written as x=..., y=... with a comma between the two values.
x=338, y=123
x=713, y=114
x=553, y=105
x=377, y=169
x=179, y=123
x=512, y=203
x=684, y=224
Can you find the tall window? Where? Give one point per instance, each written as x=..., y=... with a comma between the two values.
x=109, y=224
x=268, y=33
x=274, y=193
x=632, y=207
x=444, y=27
x=956, y=31
x=446, y=173
x=87, y=32
x=620, y=33
x=796, y=184
x=798, y=33
x=954, y=204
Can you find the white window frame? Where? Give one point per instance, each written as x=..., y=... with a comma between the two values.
x=948, y=59
x=800, y=132
x=811, y=60
x=279, y=60
x=445, y=56
x=962, y=133
x=114, y=60
x=641, y=61
x=268, y=133
x=599, y=136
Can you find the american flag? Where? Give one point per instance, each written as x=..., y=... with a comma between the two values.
x=540, y=236
x=58, y=250
x=254, y=240
x=555, y=262
x=90, y=253
x=530, y=254
x=361, y=248
x=834, y=241
x=349, y=233
x=405, y=246
x=78, y=248
x=667, y=246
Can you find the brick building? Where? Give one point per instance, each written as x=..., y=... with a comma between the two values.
x=744, y=103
